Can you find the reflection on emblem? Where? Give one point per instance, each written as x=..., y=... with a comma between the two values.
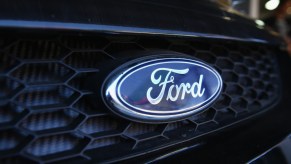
x=161, y=90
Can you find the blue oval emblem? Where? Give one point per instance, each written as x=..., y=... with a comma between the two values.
x=161, y=90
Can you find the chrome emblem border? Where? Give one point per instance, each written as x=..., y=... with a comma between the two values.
x=114, y=99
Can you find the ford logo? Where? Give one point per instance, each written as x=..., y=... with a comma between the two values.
x=161, y=90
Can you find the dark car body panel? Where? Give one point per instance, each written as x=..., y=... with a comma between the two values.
x=190, y=18
x=202, y=19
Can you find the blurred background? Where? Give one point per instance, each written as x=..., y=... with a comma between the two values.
x=274, y=14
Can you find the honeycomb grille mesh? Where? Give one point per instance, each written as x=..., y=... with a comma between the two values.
x=47, y=115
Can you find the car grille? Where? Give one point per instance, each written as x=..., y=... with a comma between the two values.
x=46, y=111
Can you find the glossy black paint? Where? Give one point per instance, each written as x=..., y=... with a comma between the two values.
x=190, y=18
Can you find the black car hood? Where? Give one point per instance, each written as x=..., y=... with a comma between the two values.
x=187, y=18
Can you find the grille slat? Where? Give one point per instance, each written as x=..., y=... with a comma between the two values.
x=44, y=99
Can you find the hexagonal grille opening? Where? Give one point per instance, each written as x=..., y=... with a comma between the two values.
x=46, y=108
